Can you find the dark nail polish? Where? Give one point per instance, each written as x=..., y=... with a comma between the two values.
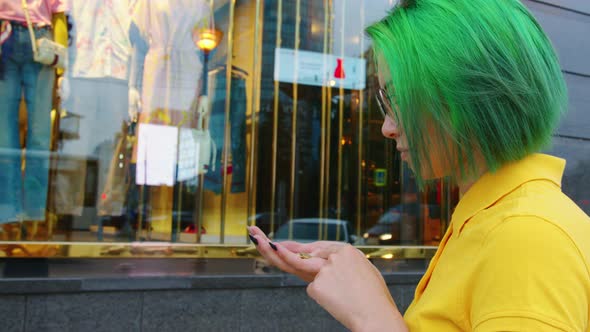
x=273, y=246
x=253, y=239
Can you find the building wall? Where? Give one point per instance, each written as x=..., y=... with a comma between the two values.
x=238, y=303
x=567, y=23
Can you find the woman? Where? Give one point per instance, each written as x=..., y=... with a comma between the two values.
x=470, y=89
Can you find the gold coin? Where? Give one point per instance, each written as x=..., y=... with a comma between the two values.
x=304, y=255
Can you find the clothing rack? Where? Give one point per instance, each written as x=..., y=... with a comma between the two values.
x=234, y=70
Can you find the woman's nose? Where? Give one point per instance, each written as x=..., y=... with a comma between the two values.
x=390, y=129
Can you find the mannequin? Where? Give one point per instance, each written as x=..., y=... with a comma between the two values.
x=97, y=78
x=165, y=66
x=24, y=182
x=164, y=80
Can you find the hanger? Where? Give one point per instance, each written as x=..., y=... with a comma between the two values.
x=234, y=69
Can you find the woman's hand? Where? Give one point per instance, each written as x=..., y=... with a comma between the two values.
x=287, y=257
x=352, y=290
x=341, y=280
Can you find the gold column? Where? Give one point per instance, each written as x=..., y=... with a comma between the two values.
x=328, y=122
x=254, y=114
x=340, y=125
x=294, y=119
x=275, y=121
x=359, y=183
x=226, y=134
x=323, y=122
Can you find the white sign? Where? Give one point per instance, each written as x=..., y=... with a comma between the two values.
x=319, y=69
x=156, y=155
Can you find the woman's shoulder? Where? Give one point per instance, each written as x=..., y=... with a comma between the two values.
x=542, y=220
x=545, y=202
x=539, y=214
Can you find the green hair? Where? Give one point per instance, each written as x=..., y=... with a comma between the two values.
x=482, y=72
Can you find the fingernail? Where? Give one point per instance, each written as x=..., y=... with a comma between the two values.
x=253, y=239
x=273, y=246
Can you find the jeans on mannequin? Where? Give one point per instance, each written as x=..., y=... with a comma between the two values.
x=238, y=100
x=23, y=192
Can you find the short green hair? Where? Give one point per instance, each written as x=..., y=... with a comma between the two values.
x=483, y=70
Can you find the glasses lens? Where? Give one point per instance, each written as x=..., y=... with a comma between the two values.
x=385, y=105
x=381, y=105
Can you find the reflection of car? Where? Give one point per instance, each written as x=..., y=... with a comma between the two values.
x=263, y=221
x=399, y=225
x=387, y=229
x=314, y=229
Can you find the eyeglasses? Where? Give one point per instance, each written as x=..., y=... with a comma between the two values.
x=385, y=105
x=407, y=3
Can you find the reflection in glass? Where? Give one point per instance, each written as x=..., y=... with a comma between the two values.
x=185, y=121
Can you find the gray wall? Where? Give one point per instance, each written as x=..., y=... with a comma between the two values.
x=225, y=303
x=567, y=23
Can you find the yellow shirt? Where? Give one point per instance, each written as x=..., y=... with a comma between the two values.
x=515, y=258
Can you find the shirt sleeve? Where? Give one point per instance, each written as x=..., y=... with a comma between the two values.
x=138, y=54
x=141, y=18
x=533, y=278
x=58, y=6
x=138, y=37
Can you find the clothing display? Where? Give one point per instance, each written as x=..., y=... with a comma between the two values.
x=167, y=73
x=100, y=44
x=99, y=56
x=196, y=154
x=166, y=69
x=24, y=185
x=113, y=197
x=513, y=228
x=238, y=104
x=41, y=11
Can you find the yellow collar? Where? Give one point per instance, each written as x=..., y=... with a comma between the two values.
x=491, y=187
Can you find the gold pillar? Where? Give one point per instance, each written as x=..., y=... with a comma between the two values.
x=294, y=120
x=359, y=183
x=226, y=134
x=257, y=58
x=275, y=121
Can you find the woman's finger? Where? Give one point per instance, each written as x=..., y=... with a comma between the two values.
x=326, y=251
x=309, y=248
x=305, y=269
x=297, y=247
x=266, y=250
x=254, y=230
x=295, y=261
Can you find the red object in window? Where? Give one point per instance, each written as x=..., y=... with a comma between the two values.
x=103, y=196
x=191, y=230
x=339, y=72
x=229, y=169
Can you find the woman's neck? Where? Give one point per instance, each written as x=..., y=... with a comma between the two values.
x=466, y=184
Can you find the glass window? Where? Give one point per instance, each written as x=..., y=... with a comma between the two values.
x=312, y=229
x=174, y=124
x=184, y=121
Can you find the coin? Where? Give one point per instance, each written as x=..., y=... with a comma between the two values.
x=304, y=255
